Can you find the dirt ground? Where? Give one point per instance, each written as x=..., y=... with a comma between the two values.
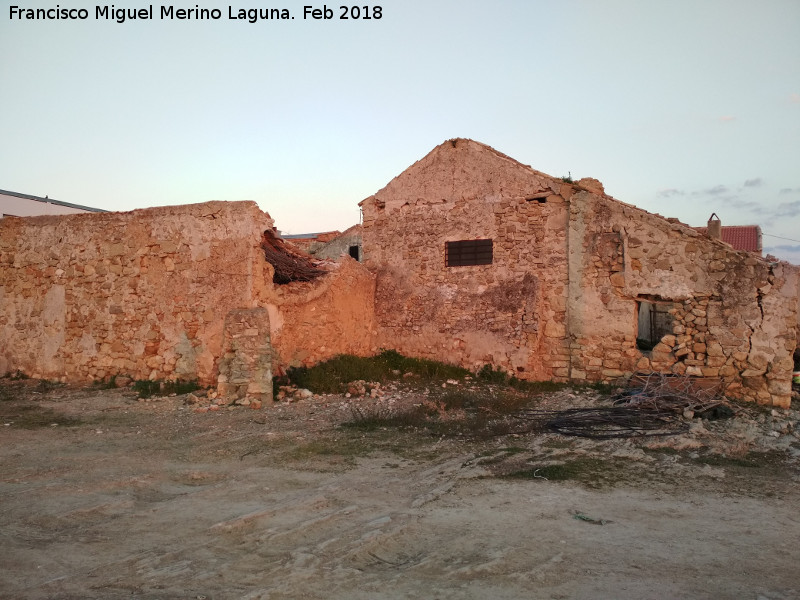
x=104, y=496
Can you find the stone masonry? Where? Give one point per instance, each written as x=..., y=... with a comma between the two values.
x=245, y=367
x=144, y=294
x=159, y=293
x=186, y=292
x=570, y=270
x=316, y=320
x=340, y=245
x=734, y=314
x=511, y=313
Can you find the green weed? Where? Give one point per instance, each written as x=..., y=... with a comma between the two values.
x=537, y=387
x=481, y=413
x=6, y=394
x=16, y=375
x=330, y=447
x=45, y=385
x=107, y=384
x=331, y=376
x=489, y=374
x=372, y=418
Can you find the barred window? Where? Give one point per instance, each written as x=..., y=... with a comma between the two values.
x=468, y=252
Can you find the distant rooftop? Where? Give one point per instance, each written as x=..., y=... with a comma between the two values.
x=741, y=237
x=51, y=201
x=303, y=236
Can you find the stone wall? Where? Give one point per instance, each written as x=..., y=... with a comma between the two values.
x=571, y=269
x=186, y=293
x=143, y=293
x=733, y=313
x=340, y=245
x=509, y=314
x=797, y=348
x=155, y=293
x=245, y=366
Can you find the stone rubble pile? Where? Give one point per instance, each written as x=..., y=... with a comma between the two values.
x=291, y=393
x=204, y=401
x=362, y=388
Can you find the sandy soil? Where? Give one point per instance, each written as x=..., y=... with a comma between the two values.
x=106, y=497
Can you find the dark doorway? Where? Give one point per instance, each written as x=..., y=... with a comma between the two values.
x=655, y=321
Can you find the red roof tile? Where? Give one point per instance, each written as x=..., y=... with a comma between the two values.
x=741, y=237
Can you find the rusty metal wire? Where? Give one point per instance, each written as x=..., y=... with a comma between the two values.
x=652, y=406
x=607, y=422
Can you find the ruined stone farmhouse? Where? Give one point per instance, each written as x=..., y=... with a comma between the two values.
x=484, y=260
x=468, y=257
x=177, y=292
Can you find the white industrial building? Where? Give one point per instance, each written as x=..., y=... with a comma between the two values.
x=13, y=204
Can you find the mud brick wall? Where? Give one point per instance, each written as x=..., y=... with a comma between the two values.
x=734, y=314
x=511, y=313
x=317, y=320
x=145, y=293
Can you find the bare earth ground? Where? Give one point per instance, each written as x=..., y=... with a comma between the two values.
x=104, y=496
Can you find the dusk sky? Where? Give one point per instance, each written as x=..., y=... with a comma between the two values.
x=683, y=108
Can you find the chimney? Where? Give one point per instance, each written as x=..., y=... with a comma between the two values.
x=714, y=227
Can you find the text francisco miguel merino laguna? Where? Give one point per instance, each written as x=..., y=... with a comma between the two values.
x=252, y=15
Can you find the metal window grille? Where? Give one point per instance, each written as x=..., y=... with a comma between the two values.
x=468, y=252
x=660, y=322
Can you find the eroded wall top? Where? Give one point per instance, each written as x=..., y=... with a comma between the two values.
x=142, y=293
x=456, y=170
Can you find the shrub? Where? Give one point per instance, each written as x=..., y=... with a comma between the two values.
x=330, y=377
x=490, y=375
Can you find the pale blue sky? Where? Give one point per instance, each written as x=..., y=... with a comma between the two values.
x=682, y=108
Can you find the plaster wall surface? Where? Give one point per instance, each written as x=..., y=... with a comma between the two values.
x=340, y=245
x=317, y=320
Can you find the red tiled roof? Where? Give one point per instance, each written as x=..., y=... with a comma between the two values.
x=741, y=237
